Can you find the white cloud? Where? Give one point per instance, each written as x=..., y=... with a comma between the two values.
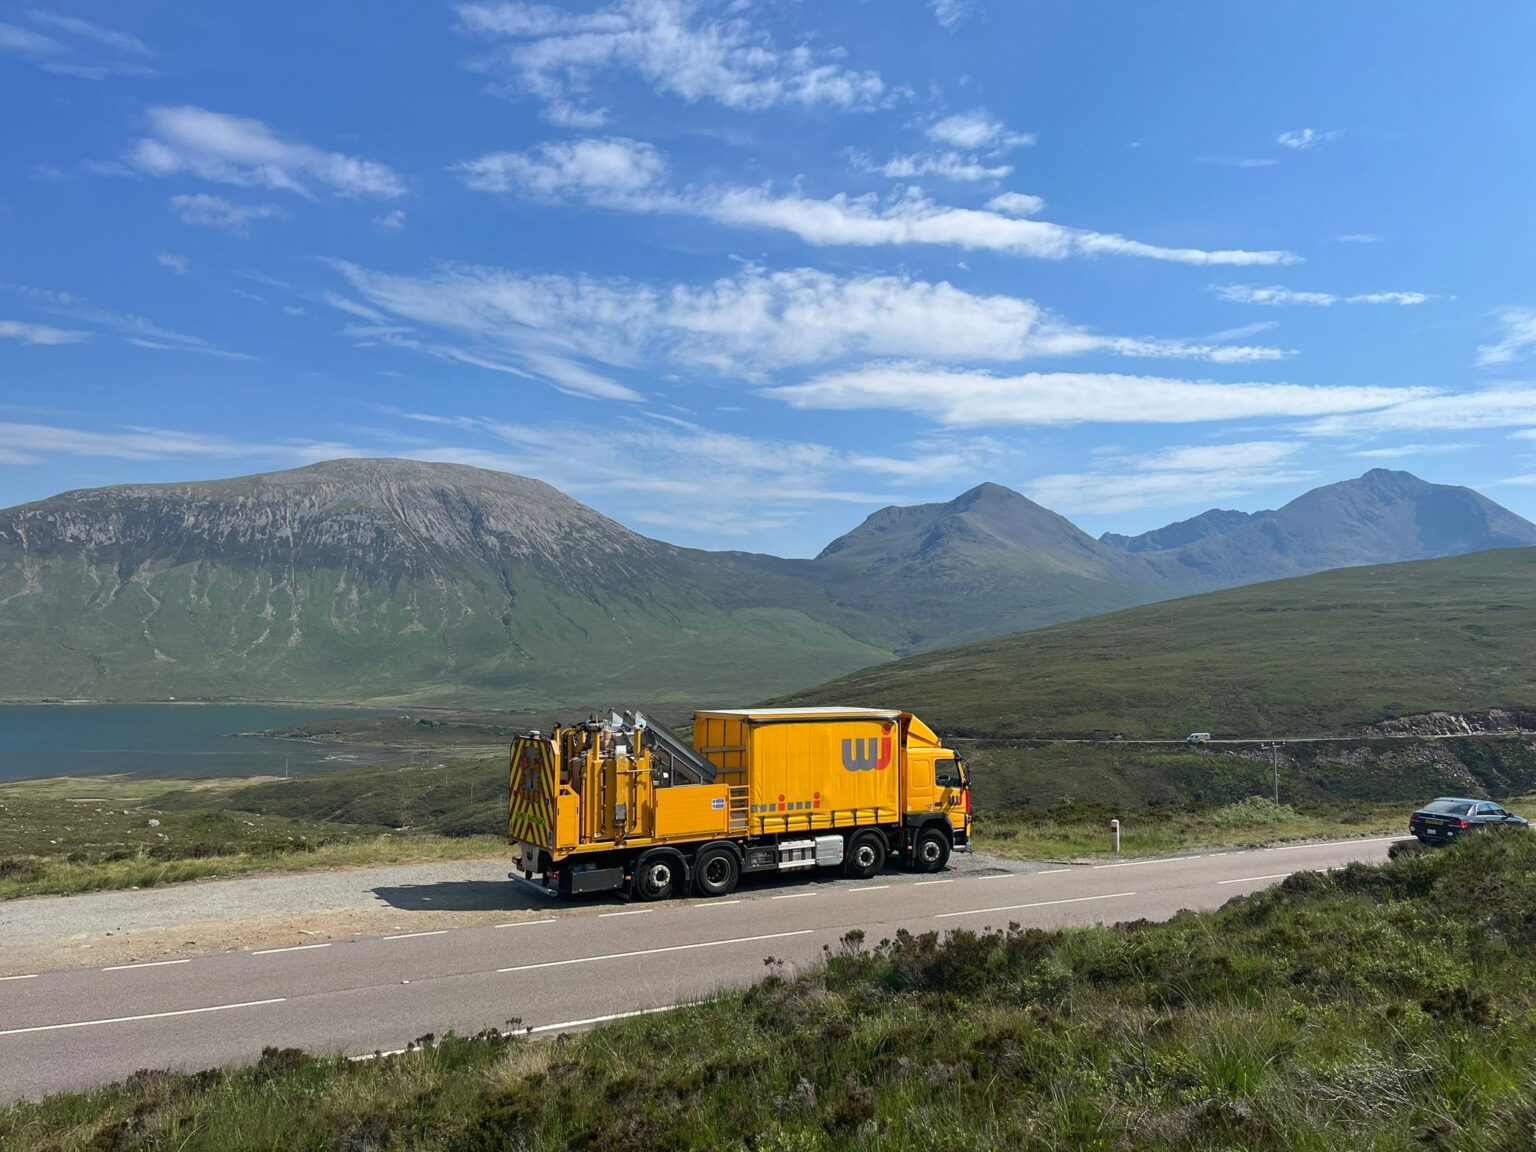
x=958, y=166
x=1400, y=451
x=136, y=330
x=1359, y=238
x=393, y=221
x=38, y=441
x=1238, y=161
x=1305, y=139
x=1173, y=476
x=1517, y=340
x=684, y=48
x=73, y=25
x=237, y=150
x=977, y=399
x=615, y=167
x=976, y=131
x=24, y=42
x=207, y=211
x=177, y=264
x=1016, y=204
x=950, y=13
x=1510, y=407
x=1276, y=296
x=748, y=325
x=39, y=333
x=626, y=175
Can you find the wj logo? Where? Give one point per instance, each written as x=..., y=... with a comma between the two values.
x=873, y=755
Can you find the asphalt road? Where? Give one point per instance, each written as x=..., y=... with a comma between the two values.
x=565, y=970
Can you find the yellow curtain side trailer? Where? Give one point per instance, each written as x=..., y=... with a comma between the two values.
x=618, y=802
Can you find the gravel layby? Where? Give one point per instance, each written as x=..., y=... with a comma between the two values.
x=208, y=916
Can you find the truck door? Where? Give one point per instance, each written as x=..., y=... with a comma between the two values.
x=952, y=790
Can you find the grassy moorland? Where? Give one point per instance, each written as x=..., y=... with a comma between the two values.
x=1387, y=1007
x=1314, y=655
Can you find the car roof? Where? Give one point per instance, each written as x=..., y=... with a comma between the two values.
x=1458, y=800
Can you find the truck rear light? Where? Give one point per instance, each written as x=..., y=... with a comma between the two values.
x=967, y=801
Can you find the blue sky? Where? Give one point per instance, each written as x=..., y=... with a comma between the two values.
x=739, y=273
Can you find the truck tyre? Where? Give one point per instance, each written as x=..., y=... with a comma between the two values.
x=716, y=871
x=930, y=851
x=656, y=878
x=865, y=856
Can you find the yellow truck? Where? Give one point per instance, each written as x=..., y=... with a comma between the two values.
x=620, y=803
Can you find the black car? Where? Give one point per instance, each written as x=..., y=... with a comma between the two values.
x=1450, y=816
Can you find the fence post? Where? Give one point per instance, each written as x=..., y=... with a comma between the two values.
x=1114, y=836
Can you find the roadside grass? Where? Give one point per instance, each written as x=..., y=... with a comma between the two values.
x=1070, y=832
x=1389, y=1007
x=60, y=837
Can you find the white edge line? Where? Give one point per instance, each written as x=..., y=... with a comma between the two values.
x=295, y=948
x=717, y=903
x=1251, y=879
x=793, y=895
x=923, y=883
x=629, y=912
x=541, y=1028
x=1336, y=843
x=1040, y=904
x=29, y=976
x=146, y=964
x=413, y=935
x=604, y=1019
x=525, y=923
x=871, y=888
x=1048, y=872
x=655, y=951
x=1135, y=863
x=997, y=876
x=145, y=1016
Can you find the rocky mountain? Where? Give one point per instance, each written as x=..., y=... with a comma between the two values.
x=436, y=583
x=1182, y=533
x=1382, y=517
x=380, y=579
x=987, y=562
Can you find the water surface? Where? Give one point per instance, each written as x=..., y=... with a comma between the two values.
x=165, y=740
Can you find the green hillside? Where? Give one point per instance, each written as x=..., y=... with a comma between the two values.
x=1308, y=656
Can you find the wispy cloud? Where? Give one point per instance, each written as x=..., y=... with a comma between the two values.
x=1509, y=407
x=136, y=330
x=678, y=47
x=1400, y=451
x=39, y=333
x=29, y=443
x=392, y=221
x=1238, y=161
x=1517, y=340
x=237, y=150
x=207, y=211
x=1173, y=476
x=978, y=131
x=958, y=166
x=1359, y=238
x=979, y=399
x=950, y=13
x=177, y=264
x=75, y=47
x=749, y=325
x=627, y=175
x=1275, y=296
x=1306, y=139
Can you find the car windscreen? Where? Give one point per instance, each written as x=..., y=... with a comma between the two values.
x=1448, y=808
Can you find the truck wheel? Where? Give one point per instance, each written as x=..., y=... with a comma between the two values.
x=866, y=856
x=930, y=851
x=715, y=871
x=655, y=879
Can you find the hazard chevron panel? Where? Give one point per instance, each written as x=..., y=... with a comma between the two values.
x=531, y=792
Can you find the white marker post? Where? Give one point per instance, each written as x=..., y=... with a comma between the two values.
x=1114, y=837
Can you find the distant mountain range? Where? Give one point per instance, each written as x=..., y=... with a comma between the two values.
x=391, y=580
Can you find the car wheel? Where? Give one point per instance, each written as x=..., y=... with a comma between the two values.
x=866, y=856
x=715, y=872
x=930, y=851
x=655, y=879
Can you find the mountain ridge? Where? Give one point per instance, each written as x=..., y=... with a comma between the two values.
x=397, y=580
